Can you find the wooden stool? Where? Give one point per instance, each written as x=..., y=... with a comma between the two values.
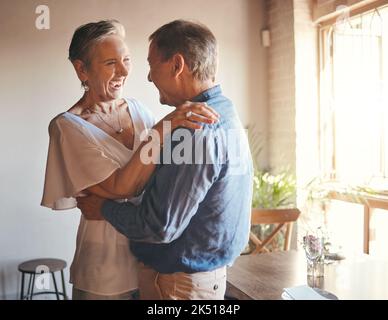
x=37, y=267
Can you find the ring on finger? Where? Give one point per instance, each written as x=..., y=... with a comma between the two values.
x=188, y=114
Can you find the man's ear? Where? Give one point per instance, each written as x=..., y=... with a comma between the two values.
x=81, y=70
x=178, y=64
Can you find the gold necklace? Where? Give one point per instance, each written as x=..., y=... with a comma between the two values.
x=119, y=131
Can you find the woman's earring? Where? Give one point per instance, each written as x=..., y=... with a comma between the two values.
x=85, y=86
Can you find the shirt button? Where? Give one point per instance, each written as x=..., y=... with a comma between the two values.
x=215, y=287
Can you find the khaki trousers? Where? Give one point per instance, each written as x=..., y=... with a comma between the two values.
x=209, y=285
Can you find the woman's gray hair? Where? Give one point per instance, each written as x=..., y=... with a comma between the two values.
x=87, y=35
x=194, y=41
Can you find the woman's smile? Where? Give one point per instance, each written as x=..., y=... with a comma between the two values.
x=116, y=85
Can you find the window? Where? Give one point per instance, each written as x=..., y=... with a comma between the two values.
x=354, y=125
x=354, y=98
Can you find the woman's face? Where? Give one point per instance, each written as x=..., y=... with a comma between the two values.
x=108, y=68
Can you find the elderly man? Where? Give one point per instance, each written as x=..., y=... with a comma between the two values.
x=194, y=217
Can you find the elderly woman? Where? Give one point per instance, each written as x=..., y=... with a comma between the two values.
x=95, y=147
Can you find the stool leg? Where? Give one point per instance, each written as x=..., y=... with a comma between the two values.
x=32, y=287
x=22, y=289
x=55, y=285
x=29, y=286
x=63, y=286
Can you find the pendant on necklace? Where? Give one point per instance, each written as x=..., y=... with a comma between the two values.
x=120, y=131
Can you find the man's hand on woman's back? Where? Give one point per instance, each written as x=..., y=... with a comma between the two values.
x=90, y=207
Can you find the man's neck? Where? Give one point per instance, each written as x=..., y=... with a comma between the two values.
x=193, y=88
x=201, y=87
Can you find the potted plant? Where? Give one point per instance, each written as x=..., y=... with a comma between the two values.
x=269, y=190
x=272, y=191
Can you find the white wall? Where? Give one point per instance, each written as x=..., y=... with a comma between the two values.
x=37, y=82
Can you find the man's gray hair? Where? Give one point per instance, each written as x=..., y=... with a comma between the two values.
x=194, y=41
x=87, y=35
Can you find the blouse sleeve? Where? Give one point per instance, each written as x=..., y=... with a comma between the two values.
x=75, y=162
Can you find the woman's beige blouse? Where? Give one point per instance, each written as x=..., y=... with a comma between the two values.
x=81, y=155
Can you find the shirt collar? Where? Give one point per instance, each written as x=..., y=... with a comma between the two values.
x=208, y=94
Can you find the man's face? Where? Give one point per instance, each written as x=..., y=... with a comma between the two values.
x=162, y=75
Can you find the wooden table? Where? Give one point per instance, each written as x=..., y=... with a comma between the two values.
x=369, y=202
x=263, y=276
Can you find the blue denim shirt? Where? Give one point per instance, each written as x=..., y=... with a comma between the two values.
x=194, y=217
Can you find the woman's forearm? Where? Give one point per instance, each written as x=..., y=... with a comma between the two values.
x=129, y=181
x=101, y=192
